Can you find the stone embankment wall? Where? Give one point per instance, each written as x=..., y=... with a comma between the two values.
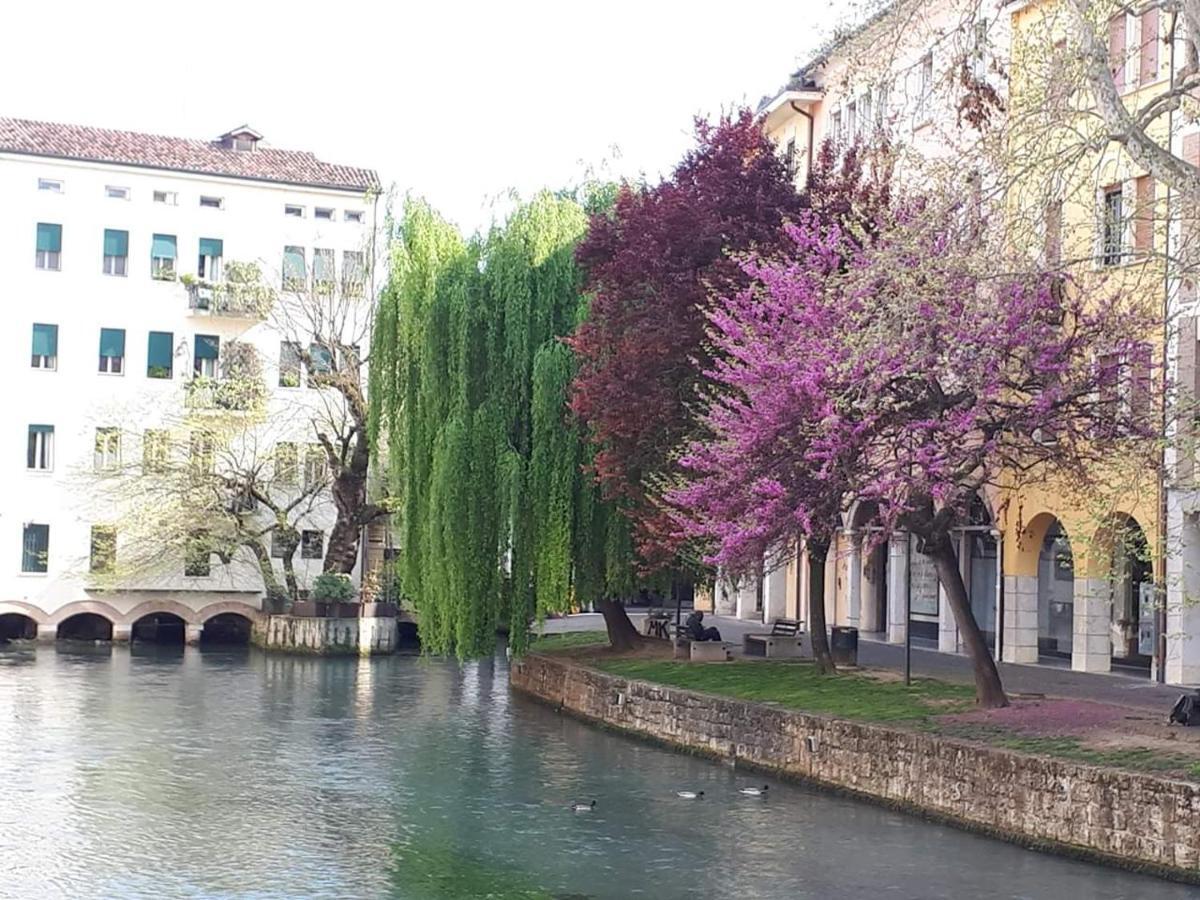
x=1130, y=819
x=327, y=637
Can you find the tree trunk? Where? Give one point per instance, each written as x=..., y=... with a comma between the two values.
x=817, y=552
x=270, y=583
x=349, y=491
x=989, y=692
x=622, y=635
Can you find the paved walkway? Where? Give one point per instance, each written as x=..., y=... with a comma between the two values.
x=1052, y=679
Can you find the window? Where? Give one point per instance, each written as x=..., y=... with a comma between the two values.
x=354, y=273
x=312, y=544
x=49, y=184
x=353, y=215
x=290, y=209
x=289, y=364
x=112, y=350
x=212, y=202
x=168, y=197
x=207, y=349
x=197, y=551
x=924, y=88
x=202, y=452
x=1117, y=48
x=162, y=257
x=866, y=119
x=287, y=461
x=321, y=361
x=40, y=453
x=49, y=246
x=35, y=547
x=882, y=99
x=156, y=444
x=322, y=268
x=45, y=346
x=104, y=549
x=1113, y=226
x=116, y=251
x=282, y=545
x=979, y=50
x=295, y=270
x=160, y=354
x=323, y=212
x=211, y=252
x=1143, y=217
x=851, y=122
x=314, y=466
x=1053, y=243
x=108, y=449
x=789, y=163
x=835, y=126
x=116, y=193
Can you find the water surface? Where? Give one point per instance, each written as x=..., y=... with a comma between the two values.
x=202, y=774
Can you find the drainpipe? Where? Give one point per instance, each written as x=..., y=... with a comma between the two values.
x=811, y=131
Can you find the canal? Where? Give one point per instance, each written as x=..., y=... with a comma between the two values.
x=171, y=773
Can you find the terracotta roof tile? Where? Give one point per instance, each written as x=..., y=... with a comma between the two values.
x=178, y=154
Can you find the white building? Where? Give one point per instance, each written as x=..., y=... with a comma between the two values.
x=99, y=233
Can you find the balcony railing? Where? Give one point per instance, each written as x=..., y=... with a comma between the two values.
x=225, y=394
x=228, y=300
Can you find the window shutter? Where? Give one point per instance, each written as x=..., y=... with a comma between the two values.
x=160, y=350
x=49, y=237
x=112, y=341
x=293, y=264
x=1148, y=69
x=1185, y=461
x=163, y=245
x=45, y=340
x=1143, y=223
x=208, y=346
x=322, y=265
x=1116, y=49
x=116, y=243
x=36, y=546
x=211, y=247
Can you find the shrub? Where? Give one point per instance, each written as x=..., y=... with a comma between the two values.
x=333, y=587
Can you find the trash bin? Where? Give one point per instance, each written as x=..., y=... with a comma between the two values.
x=844, y=645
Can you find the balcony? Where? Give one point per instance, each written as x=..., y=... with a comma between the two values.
x=241, y=294
x=225, y=395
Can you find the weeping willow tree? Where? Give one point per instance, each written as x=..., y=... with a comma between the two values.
x=500, y=521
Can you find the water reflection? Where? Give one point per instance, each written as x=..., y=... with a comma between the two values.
x=152, y=772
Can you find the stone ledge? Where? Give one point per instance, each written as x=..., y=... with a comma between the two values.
x=1132, y=820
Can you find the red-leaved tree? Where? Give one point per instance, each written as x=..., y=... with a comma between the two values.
x=900, y=370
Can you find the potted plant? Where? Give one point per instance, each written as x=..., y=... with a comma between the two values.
x=371, y=606
x=337, y=591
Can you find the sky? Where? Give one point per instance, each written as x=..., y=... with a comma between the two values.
x=459, y=102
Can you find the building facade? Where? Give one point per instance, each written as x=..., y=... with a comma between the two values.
x=115, y=249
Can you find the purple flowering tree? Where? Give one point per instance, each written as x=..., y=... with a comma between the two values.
x=900, y=369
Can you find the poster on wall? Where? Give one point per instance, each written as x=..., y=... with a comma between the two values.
x=923, y=578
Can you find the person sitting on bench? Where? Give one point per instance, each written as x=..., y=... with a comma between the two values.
x=696, y=630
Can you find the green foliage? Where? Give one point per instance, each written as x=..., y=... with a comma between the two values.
x=333, y=587
x=544, y=643
x=499, y=522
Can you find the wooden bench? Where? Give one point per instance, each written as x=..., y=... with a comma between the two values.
x=785, y=641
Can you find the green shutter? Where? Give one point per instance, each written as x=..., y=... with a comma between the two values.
x=45, y=340
x=42, y=429
x=49, y=237
x=322, y=359
x=36, y=547
x=112, y=341
x=211, y=247
x=208, y=346
x=160, y=352
x=116, y=243
x=322, y=265
x=163, y=246
x=293, y=264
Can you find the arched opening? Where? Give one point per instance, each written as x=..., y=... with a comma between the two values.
x=17, y=627
x=1056, y=593
x=85, y=627
x=873, y=595
x=226, y=629
x=407, y=636
x=1133, y=596
x=159, y=628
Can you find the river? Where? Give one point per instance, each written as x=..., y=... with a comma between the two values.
x=169, y=773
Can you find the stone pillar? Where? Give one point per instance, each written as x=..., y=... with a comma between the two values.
x=747, y=599
x=947, y=627
x=854, y=578
x=775, y=593
x=1183, y=593
x=897, y=604
x=47, y=632
x=1091, y=648
x=1019, y=643
x=191, y=635
x=724, y=599
x=122, y=634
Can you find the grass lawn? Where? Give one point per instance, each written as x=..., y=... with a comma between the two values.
x=568, y=639
x=798, y=686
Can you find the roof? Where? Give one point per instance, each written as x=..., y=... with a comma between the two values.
x=130, y=148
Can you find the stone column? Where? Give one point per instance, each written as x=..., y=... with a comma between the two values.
x=747, y=599
x=854, y=578
x=191, y=635
x=47, y=633
x=1183, y=592
x=122, y=634
x=897, y=605
x=775, y=593
x=724, y=599
x=1091, y=647
x=1020, y=639
x=947, y=627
